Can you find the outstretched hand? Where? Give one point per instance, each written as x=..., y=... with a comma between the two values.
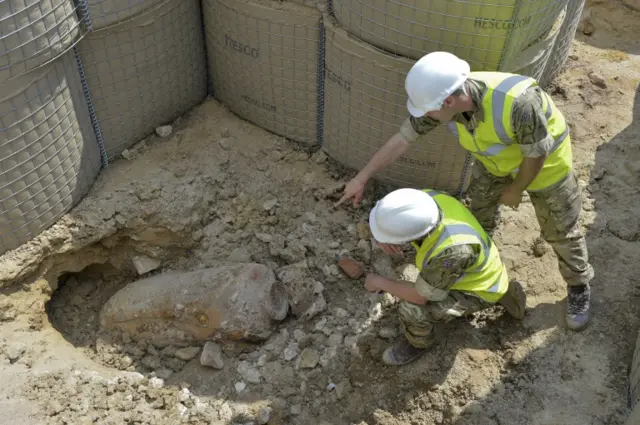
x=354, y=189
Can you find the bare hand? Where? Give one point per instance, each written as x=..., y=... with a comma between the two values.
x=511, y=197
x=390, y=248
x=354, y=189
x=372, y=282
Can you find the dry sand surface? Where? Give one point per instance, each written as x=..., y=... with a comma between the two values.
x=221, y=190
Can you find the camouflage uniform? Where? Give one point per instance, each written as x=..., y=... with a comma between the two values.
x=443, y=305
x=557, y=207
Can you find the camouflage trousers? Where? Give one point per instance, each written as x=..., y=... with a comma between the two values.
x=419, y=321
x=557, y=210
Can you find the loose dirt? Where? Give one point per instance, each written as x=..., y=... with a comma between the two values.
x=219, y=190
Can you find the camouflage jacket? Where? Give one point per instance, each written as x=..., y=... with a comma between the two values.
x=444, y=270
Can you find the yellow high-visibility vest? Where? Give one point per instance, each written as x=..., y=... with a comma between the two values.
x=487, y=277
x=493, y=142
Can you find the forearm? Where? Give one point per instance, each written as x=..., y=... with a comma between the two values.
x=529, y=169
x=385, y=156
x=402, y=289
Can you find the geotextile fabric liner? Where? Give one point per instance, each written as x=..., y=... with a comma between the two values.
x=263, y=60
x=109, y=12
x=49, y=157
x=34, y=32
x=365, y=104
x=562, y=47
x=533, y=60
x=145, y=72
x=479, y=31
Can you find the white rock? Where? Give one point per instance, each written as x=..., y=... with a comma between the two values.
x=340, y=313
x=263, y=360
x=320, y=324
x=164, y=131
x=144, y=264
x=15, y=351
x=156, y=383
x=298, y=334
x=182, y=409
x=248, y=372
x=268, y=205
x=240, y=386
x=308, y=359
x=225, y=412
x=212, y=355
x=187, y=353
x=264, y=414
x=296, y=409
x=184, y=394
x=291, y=352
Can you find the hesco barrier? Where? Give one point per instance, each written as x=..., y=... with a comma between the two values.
x=263, y=59
x=533, y=60
x=365, y=103
x=109, y=12
x=48, y=154
x=33, y=33
x=562, y=47
x=145, y=72
x=480, y=31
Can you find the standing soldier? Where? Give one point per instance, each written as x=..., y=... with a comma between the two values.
x=461, y=271
x=520, y=141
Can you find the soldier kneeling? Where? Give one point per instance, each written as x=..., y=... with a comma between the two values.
x=460, y=267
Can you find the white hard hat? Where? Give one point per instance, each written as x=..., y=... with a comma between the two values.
x=432, y=79
x=402, y=216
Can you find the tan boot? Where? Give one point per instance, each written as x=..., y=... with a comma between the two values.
x=514, y=300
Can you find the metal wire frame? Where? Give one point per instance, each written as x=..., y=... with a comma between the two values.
x=34, y=33
x=481, y=32
x=49, y=158
x=265, y=65
x=365, y=103
x=144, y=72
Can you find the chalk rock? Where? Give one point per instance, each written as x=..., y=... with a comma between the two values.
x=301, y=290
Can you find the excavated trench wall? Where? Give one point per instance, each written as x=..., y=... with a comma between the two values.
x=334, y=82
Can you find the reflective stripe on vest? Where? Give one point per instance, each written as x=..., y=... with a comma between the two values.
x=493, y=142
x=487, y=278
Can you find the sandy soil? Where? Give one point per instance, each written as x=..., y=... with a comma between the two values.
x=221, y=190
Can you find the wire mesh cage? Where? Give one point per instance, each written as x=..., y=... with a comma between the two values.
x=533, y=60
x=365, y=104
x=263, y=59
x=562, y=47
x=49, y=157
x=34, y=32
x=105, y=13
x=479, y=31
x=145, y=72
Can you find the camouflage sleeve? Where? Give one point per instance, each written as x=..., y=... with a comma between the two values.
x=413, y=127
x=443, y=271
x=530, y=124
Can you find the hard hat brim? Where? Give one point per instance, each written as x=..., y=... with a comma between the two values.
x=414, y=110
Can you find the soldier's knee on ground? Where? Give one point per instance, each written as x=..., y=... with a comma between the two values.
x=514, y=300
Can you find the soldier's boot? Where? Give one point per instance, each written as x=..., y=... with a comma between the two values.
x=514, y=300
x=578, y=300
x=402, y=352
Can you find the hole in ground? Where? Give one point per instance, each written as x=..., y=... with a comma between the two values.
x=74, y=307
